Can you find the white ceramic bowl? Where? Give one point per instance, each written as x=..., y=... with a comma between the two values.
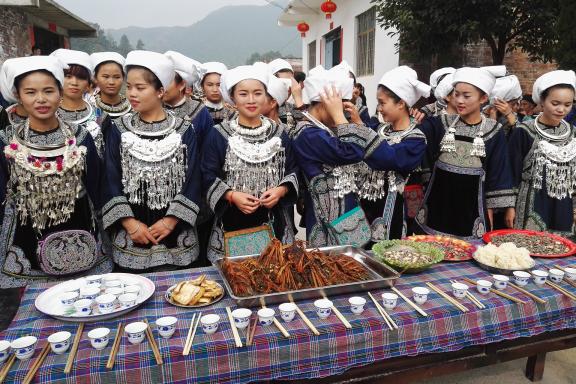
x=570, y=273
x=127, y=300
x=241, y=317
x=4, y=350
x=24, y=347
x=166, y=326
x=89, y=292
x=83, y=307
x=135, y=289
x=116, y=291
x=68, y=299
x=389, y=300
x=210, y=323
x=99, y=338
x=71, y=286
x=323, y=308
x=500, y=281
x=60, y=342
x=287, y=311
x=357, y=304
x=113, y=284
x=483, y=286
x=266, y=316
x=106, y=303
x=420, y=294
x=539, y=276
x=521, y=277
x=136, y=332
x=93, y=279
x=556, y=275
x=459, y=290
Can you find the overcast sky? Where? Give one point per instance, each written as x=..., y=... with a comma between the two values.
x=147, y=13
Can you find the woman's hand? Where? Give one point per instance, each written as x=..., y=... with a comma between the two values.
x=138, y=231
x=417, y=115
x=332, y=100
x=506, y=110
x=163, y=227
x=271, y=197
x=296, y=91
x=245, y=202
x=353, y=111
x=509, y=217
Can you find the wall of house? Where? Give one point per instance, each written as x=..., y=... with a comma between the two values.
x=14, y=33
x=385, y=57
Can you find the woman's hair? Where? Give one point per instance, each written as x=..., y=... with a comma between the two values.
x=18, y=79
x=233, y=89
x=205, y=76
x=392, y=95
x=149, y=76
x=107, y=62
x=482, y=93
x=78, y=71
x=178, y=79
x=546, y=92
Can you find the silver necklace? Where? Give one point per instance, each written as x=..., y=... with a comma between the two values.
x=250, y=132
x=132, y=127
x=563, y=136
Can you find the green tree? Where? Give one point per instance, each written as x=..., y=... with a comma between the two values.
x=433, y=28
x=140, y=44
x=563, y=51
x=265, y=57
x=102, y=42
x=124, y=47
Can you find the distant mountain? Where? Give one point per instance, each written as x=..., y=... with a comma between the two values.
x=230, y=34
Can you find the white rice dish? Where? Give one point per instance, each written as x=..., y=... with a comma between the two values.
x=505, y=256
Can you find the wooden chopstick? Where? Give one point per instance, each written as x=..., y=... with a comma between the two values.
x=561, y=290
x=341, y=317
x=572, y=283
x=279, y=326
x=472, y=298
x=6, y=367
x=251, y=331
x=237, y=339
x=497, y=292
x=412, y=304
x=448, y=298
x=153, y=344
x=36, y=365
x=387, y=318
x=115, y=346
x=74, y=348
x=529, y=294
x=191, y=335
x=307, y=320
x=188, y=335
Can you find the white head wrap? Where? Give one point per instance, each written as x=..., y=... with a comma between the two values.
x=235, y=75
x=403, y=81
x=278, y=88
x=98, y=58
x=478, y=77
x=438, y=74
x=345, y=66
x=507, y=88
x=187, y=68
x=319, y=79
x=12, y=68
x=551, y=79
x=70, y=56
x=213, y=67
x=277, y=65
x=444, y=87
x=157, y=63
x=496, y=70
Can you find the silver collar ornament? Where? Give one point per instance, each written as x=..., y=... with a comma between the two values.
x=448, y=143
x=88, y=121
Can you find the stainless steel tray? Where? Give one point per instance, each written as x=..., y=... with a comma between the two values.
x=381, y=276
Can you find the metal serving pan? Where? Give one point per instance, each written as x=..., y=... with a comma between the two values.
x=381, y=276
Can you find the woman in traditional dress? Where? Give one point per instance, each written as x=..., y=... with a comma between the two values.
x=468, y=156
x=543, y=153
x=210, y=85
x=49, y=183
x=436, y=108
x=290, y=112
x=385, y=173
x=505, y=101
x=249, y=171
x=109, y=101
x=73, y=108
x=14, y=113
x=181, y=104
x=152, y=177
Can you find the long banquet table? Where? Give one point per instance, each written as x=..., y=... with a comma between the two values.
x=215, y=358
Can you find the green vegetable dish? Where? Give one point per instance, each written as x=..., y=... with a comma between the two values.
x=407, y=256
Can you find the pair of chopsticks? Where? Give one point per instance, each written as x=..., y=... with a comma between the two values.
x=279, y=326
x=251, y=331
x=472, y=298
x=529, y=294
x=237, y=339
x=497, y=292
x=306, y=320
x=449, y=299
x=340, y=316
x=561, y=290
x=115, y=346
x=6, y=367
x=191, y=333
x=572, y=283
x=410, y=302
x=36, y=365
x=74, y=349
x=387, y=318
x=153, y=344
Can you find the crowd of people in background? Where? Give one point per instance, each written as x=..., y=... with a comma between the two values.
x=155, y=162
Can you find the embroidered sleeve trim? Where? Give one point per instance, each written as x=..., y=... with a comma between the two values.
x=291, y=179
x=357, y=134
x=115, y=209
x=216, y=192
x=184, y=209
x=502, y=200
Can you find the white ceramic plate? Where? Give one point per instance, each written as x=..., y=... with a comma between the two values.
x=48, y=302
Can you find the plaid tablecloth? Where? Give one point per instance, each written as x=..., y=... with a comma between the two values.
x=214, y=358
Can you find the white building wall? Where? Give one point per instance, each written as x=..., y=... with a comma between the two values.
x=385, y=58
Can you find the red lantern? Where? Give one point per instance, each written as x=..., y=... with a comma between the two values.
x=328, y=7
x=303, y=28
